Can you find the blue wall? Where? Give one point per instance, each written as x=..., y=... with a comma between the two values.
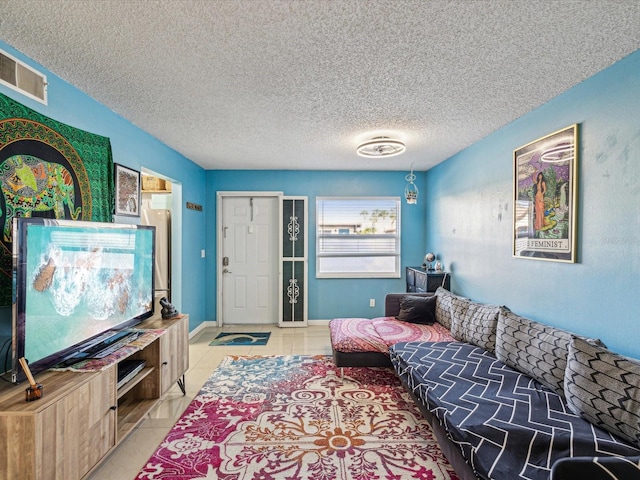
x=470, y=214
x=135, y=149
x=328, y=298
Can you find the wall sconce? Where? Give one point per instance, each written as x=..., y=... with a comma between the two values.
x=411, y=191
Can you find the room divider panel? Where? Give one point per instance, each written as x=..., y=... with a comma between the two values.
x=294, y=262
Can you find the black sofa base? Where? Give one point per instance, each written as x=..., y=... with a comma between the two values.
x=374, y=359
x=361, y=359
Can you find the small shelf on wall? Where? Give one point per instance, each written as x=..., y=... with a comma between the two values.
x=151, y=184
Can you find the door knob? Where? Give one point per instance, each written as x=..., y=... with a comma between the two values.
x=226, y=270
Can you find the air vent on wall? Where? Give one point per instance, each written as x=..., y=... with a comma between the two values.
x=22, y=78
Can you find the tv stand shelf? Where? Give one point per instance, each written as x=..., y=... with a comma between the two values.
x=134, y=381
x=130, y=413
x=82, y=417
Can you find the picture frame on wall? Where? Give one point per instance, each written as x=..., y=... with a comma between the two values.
x=545, y=197
x=127, y=186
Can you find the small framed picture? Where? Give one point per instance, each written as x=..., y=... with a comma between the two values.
x=127, y=196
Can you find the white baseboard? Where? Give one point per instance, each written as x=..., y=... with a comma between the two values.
x=202, y=326
x=214, y=324
x=312, y=323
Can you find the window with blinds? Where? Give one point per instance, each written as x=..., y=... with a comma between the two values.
x=358, y=237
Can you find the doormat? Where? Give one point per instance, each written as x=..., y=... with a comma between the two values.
x=243, y=338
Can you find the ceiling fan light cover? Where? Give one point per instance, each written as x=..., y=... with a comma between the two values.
x=381, y=147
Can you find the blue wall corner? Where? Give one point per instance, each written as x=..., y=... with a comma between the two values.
x=470, y=214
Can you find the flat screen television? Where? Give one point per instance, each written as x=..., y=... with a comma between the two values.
x=73, y=282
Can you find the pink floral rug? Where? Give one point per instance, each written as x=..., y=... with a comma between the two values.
x=294, y=417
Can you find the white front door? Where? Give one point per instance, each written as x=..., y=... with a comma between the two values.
x=250, y=259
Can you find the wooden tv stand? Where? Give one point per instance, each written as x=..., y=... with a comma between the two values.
x=82, y=417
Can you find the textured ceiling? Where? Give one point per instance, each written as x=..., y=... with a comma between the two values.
x=237, y=84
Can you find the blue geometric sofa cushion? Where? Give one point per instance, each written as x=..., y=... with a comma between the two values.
x=506, y=424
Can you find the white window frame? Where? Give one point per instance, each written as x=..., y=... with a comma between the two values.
x=350, y=274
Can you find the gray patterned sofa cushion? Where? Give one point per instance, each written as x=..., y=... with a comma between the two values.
x=474, y=323
x=444, y=300
x=604, y=388
x=533, y=348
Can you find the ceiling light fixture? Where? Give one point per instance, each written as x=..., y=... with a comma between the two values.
x=381, y=147
x=411, y=190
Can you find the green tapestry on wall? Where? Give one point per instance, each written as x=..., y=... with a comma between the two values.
x=48, y=169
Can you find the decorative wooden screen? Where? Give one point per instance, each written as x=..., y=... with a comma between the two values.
x=294, y=262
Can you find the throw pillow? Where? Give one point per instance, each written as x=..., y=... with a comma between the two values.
x=415, y=309
x=474, y=323
x=533, y=348
x=443, y=306
x=458, y=311
x=604, y=388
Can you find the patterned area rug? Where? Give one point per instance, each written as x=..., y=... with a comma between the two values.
x=294, y=417
x=243, y=338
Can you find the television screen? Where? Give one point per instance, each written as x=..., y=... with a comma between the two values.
x=74, y=281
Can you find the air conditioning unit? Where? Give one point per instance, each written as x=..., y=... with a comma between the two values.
x=22, y=78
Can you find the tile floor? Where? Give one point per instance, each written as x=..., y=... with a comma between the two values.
x=127, y=460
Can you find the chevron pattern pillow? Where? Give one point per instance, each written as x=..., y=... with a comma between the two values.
x=443, y=306
x=474, y=323
x=604, y=388
x=533, y=348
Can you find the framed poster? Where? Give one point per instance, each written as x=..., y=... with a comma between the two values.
x=127, y=183
x=545, y=185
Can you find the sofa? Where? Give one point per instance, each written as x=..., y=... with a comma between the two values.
x=364, y=342
x=510, y=398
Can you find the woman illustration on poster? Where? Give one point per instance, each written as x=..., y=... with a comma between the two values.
x=540, y=189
